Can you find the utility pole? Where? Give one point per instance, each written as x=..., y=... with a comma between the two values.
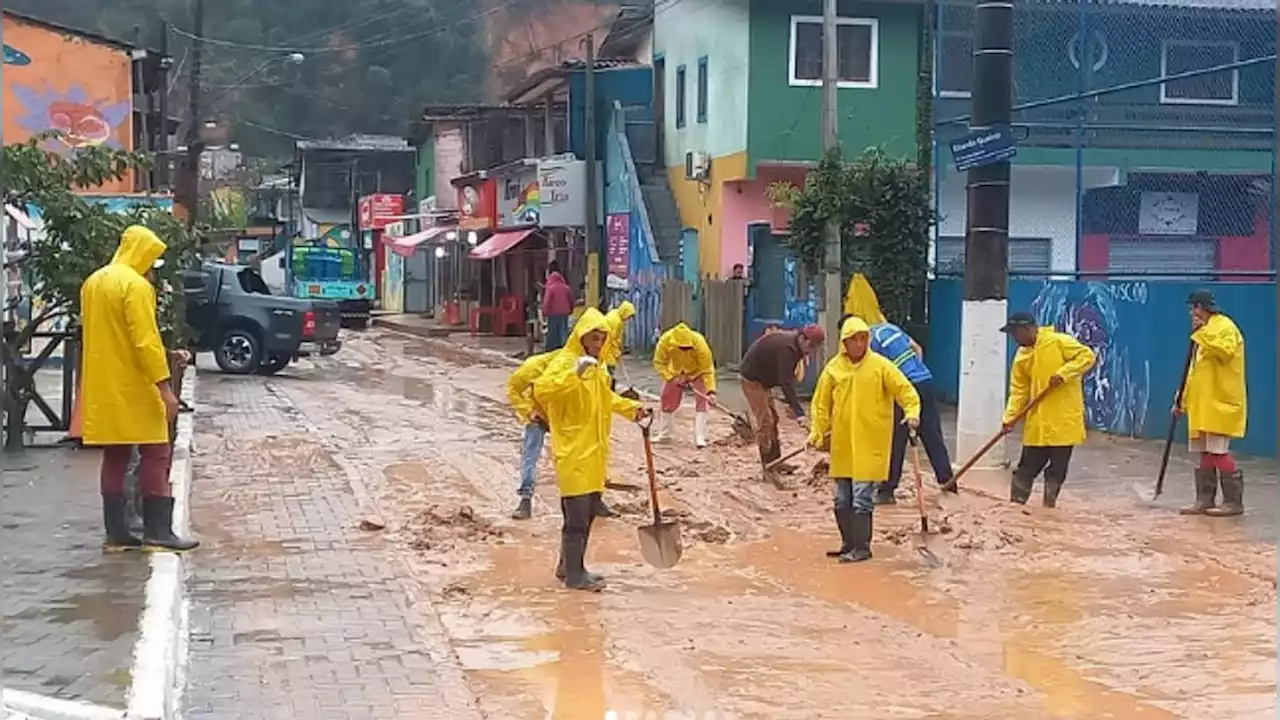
x=162, y=146
x=986, y=259
x=191, y=187
x=140, y=88
x=595, y=239
x=832, y=307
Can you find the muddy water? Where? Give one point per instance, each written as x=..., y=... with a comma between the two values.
x=1095, y=610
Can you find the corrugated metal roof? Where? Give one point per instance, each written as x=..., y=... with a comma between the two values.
x=1197, y=5
x=389, y=143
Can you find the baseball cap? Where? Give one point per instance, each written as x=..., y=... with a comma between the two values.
x=1203, y=298
x=814, y=333
x=1019, y=320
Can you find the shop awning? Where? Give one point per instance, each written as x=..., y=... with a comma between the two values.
x=499, y=243
x=405, y=246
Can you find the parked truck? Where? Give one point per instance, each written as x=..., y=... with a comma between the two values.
x=331, y=268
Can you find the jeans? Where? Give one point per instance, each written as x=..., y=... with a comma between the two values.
x=1034, y=459
x=153, y=469
x=557, y=332
x=856, y=494
x=935, y=446
x=534, y=437
x=760, y=402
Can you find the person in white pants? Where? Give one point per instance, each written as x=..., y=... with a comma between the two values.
x=684, y=361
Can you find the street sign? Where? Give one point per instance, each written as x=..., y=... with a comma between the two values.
x=986, y=147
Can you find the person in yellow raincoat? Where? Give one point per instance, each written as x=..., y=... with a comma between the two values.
x=684, y=362
x=574, y=395
x=616, y=325
x=1216, y=405
x=128, y=401
x=852, y=413
x=1052, y=364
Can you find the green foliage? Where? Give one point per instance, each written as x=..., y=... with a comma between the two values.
x=81, y=236
x=882, y=206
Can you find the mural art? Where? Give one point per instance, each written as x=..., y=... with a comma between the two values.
x=14, y=56
x=1116, y=391
x=82, y=121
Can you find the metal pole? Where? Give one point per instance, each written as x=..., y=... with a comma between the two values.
x=595, y=240
x=140, y=88
x=831, y=286
x=162, y=145
x=192, y=184
x=986, y=262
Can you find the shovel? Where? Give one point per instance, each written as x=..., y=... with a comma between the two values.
x=1150, y=496
x=741, y=425
x=986, y=447
x=660, y=542
x=923, y=546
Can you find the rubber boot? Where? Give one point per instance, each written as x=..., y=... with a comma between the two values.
x=573, y=548
x=133, y=512
x=603, y=510
x=662, y=427
x=118, y=538
x=860, y=527
x=1206, y=492
x=1020, y=489
x=884, y=495
x=1051, y=490
x=1232, y=495
x=844, y=521
x=700, y=421
x=591, y=578
x=157, y=516
x=524, y=510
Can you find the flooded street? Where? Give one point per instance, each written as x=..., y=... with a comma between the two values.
x=1103, y=608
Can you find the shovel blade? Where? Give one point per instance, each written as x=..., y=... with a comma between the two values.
x=1145, y=492
x=660, y=544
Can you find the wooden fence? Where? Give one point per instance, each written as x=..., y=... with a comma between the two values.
x=723, y=308
x=677, y=304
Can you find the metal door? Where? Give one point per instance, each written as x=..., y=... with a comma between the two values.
x=1193, y=256
x=417, y=281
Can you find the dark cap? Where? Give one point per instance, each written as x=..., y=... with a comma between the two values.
x=1203, y=298
x=1019, y=320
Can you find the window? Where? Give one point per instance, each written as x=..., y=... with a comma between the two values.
x=680, y=96
x=1027, y=256
x=856, y=51
x=702, y=89
x=1220, y=88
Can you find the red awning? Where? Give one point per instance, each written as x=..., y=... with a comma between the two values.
x=405, y=246
x=499, y=243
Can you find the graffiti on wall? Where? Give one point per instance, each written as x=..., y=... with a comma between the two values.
x=1116, y=391
x=800, y=308
x=81, y=121
x=14, y=56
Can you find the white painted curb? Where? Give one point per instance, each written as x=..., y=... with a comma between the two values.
x=19, y=705
x=160, y=655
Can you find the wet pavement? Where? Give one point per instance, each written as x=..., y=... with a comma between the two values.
x=1103, y=608
x=70, y=611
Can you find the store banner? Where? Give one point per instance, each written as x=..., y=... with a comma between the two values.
x=562, y=191
x=618, y=249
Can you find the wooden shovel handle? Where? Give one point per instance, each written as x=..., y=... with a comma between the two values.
x=653, y=475
x=986, y=448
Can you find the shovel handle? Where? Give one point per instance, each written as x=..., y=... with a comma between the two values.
x=707, y=399
x=914, y=440
x=1173, y=421
x=653, y=475
x=991, y=442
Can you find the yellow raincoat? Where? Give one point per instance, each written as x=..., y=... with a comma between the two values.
x=520, y=384
x=861, y=301
x=854, y=402
x=123, y=356
x=578, y=409
x=671, y=361
x=616, y=320
x=1058, y=420
x=1215, y=400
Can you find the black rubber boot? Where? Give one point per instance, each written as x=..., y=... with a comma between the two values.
x=1232, y=495
x=884, y=496
x=573, y=549
x=860, y=527
x=844, y=521
x=157, y=516
x=603, y=510
x=1051, y=490
x=1206, y=492
x=118, y=538
x=524, y=510
x=1020, y=489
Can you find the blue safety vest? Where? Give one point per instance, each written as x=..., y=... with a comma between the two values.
x=890, y=341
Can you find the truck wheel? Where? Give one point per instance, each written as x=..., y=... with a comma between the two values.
x=238, y=352
x=273, y=365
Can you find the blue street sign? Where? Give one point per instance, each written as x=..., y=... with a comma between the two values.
x=986, y=147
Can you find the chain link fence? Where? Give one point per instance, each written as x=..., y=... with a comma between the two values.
x=1145, y=135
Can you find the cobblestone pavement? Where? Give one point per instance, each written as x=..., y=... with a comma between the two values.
x=296, y=612
x=70, y=612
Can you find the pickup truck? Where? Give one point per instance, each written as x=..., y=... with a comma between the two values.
x=233, y=314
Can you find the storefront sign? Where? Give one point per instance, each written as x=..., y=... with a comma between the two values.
x=477, y=205
x=376, y=209
x=562, y=185
x=518, y=198
x=618, y=248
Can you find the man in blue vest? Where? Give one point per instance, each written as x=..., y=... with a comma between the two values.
x=894, y=343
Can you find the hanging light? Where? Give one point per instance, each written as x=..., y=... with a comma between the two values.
x=472, y=238
x=451, y=235
x=439, y=251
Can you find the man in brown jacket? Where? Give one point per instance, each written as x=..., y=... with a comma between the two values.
x=770, y=363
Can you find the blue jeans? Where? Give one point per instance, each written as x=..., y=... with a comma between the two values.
x=935, y=445
x=557, y=332
x=534, y=436
x=861, y=496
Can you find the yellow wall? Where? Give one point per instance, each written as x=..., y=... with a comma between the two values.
x=700, y=205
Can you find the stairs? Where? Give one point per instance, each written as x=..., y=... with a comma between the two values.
x=664, y=217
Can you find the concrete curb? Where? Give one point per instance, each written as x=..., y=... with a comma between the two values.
x=160, y=654
x=20, y=705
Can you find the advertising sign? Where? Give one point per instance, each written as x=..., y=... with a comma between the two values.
x=375, y=210
x=477, y=205
x=562, y=187
x=983, y=148
x=618, y=249
x=518, y=198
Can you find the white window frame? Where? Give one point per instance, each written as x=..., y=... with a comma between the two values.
x=1164, y=70
x=874, y=67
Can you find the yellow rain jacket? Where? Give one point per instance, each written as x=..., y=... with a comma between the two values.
x=861, y=301
x=672, y=361
x=1058, y=420
x=616, y=320
x=520, y=384
x=1215, y=399
x=578, y=409
x=123, y=356
x=854, y=402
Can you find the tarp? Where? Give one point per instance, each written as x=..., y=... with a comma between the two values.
x=405, y=246
x=499, y=243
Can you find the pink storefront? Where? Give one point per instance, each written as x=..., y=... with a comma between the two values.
x=747, y=202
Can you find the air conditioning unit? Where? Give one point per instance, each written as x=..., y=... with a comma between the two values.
x=697, y=166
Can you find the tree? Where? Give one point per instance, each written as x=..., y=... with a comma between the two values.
x=882, y=206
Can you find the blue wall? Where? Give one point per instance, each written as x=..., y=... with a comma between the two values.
x=628, y=86
x=1139, y=329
